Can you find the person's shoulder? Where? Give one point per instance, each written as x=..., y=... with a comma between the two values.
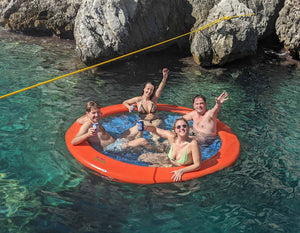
x=192, y=114
x=210, y=112
x=189, y=113
x=82, y=120
x=171, y=136
x=193, y=142
x=137, y=98
x=86, y=124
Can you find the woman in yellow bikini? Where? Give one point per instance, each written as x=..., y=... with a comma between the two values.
x=184, y=150
x=146, y=105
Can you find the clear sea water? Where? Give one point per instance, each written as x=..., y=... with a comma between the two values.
x=44, y=189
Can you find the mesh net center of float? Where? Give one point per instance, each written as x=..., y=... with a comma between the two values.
x=117, y=124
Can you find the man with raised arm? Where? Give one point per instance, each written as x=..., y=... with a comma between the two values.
x=205, y=120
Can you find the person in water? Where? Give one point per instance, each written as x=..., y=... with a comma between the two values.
x=205, y=120
x=146, y=105
x=184, y=150
x=98, y=137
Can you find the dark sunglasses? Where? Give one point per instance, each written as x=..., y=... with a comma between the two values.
x=179, y=126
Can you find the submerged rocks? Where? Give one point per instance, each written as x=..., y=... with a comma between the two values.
x=105, y=29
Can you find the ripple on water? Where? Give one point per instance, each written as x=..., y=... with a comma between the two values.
x=46, y=189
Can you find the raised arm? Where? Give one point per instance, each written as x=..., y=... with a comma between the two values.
x=219, y=101
x=196, y=154
x=161, y=85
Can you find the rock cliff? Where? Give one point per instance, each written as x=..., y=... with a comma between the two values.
x=104, y=29
x=110, y=28
x=40, y=17
x=287, y=26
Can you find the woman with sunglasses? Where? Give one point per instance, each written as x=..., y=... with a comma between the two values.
x=146, y=105
x=184, y=150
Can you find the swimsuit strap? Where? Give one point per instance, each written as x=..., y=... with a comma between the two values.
x=184, y=159
x=153, y=108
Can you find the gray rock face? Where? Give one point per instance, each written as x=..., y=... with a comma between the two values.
x=235, y=38
x=40, y=17
x=106, y=29
x=287, y=27
x=227, y=40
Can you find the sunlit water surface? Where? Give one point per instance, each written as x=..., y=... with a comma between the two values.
x=44, y=189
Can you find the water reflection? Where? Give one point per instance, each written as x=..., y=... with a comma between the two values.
x=98, y=204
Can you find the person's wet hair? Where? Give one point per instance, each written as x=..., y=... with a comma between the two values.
x=153, y=84
x=199, y=96
x=90, y=105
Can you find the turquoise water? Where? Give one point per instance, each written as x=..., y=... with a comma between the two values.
x=44, y=189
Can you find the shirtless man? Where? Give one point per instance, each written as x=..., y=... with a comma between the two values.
x=205, y=120
x=98, y=137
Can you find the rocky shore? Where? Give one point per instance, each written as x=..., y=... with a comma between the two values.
x=105, y=29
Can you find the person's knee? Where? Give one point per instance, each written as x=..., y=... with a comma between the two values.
x=143, y=141
x=124, y=146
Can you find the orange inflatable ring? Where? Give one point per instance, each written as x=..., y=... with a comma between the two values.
x=123, y=172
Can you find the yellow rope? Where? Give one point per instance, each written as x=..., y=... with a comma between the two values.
x=128, y=54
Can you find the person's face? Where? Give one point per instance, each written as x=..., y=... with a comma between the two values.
x=199, y=105
x=148, y=90
x=181, y=128
x=94, y=115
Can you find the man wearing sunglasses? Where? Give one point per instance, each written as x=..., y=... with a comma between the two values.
x=205, y=120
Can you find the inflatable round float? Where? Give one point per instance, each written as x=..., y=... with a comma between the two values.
x=120, y=171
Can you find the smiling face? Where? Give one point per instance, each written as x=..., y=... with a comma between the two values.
x=94, y=115
x=148, y=90
x=181, y=127
x=200, y=105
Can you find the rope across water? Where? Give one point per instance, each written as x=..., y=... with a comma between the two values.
x=128, y=54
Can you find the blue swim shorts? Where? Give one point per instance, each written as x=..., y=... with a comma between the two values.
x=115, y=146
